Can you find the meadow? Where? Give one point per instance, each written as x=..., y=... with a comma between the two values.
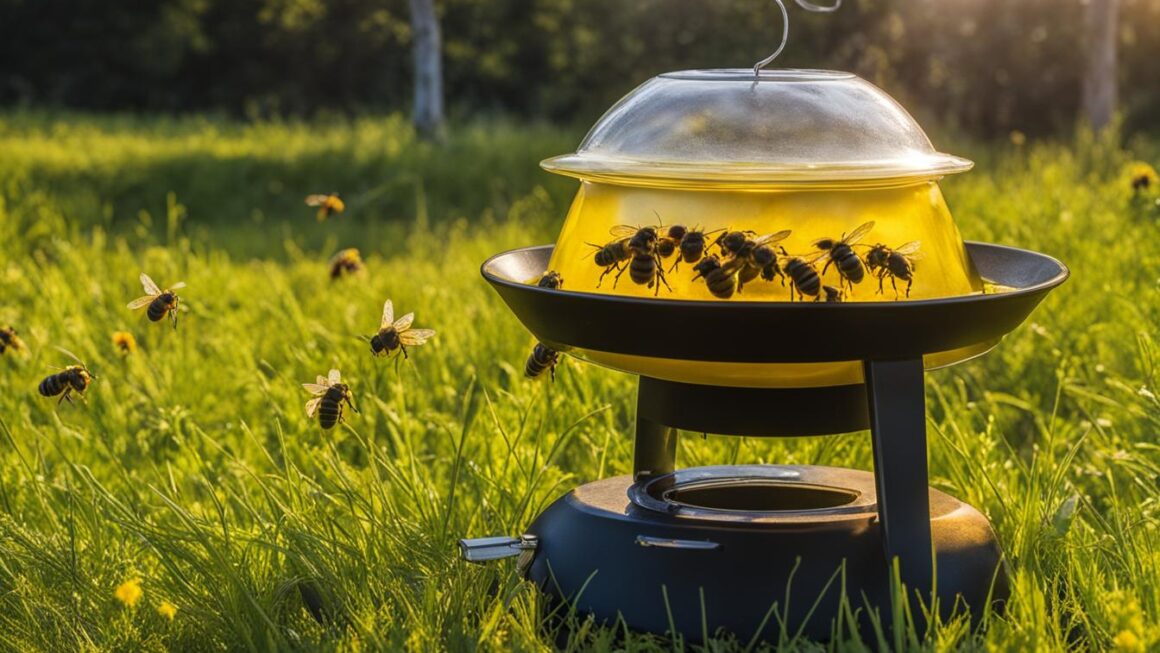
x=192, y=473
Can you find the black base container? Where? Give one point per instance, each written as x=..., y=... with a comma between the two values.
x=704, y=569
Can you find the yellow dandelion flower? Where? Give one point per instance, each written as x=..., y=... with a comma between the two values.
x=124, y=342
x=1018, y=138
x=129, y=592
x=1143, y=177
x=167, y=610
x=1127, y=642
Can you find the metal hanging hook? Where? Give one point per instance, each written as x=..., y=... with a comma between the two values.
x=804, y=4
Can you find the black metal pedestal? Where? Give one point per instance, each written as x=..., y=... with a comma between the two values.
x=891, y=404
x=608, y=556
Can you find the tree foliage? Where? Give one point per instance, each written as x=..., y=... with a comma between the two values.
x=985, y=65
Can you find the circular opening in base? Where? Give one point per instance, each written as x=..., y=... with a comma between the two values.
x=750, y=496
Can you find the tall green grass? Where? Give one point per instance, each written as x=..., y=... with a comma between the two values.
x=192, y=466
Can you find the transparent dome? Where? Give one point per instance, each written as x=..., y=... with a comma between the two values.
x=727, y=128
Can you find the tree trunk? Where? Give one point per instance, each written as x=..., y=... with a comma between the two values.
x=1099, y=84
x=428, y=111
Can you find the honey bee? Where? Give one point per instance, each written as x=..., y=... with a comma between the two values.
x=833, y=295
x=842, y=255
x=328, y=204
x=895, y=263
x=345, y=262
x=551, y=279
x=645, y=268
x=160, y=302
x=669, y=241
x=611, y=256
x=397, y=334
x=74, y=378
x=732, y=242
x=9, y=340
x=543, y=358
x=329, y=394
x=803, y=276
x=721, y=277
x=690, y=244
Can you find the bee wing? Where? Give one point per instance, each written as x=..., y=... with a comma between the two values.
x=150, y=287
x=177, y=286
x=404, y=323
x=316, y=200
x=71, y=355
x=909, y=249
x=388, y=314
x=859, y=233
x=141, y=301
x=624, y=231
x=416, y=336
x=315, y=388
x=312, y=406
x=334, y=377
x=770, y=239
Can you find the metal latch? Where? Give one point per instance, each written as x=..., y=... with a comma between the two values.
x=648, y=541
x=486, y=549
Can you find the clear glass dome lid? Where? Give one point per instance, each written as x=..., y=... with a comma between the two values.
x=728, y=128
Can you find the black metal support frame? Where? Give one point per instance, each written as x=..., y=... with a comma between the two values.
x=890, y=339
x=891, y=404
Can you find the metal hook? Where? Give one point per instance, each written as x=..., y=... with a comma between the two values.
x=804, y=4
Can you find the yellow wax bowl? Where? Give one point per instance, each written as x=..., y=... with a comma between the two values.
x=817, y=153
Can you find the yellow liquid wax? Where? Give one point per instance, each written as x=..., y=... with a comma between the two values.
x=901, y=214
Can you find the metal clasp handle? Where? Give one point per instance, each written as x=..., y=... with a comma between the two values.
x=486, y=549
x=649, y=541
x=804, y=4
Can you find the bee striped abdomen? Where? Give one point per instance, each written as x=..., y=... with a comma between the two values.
x=642, y=270
x=330, y=408
x=722, y=283
x=160, y=306
x=54, y=384
x=848, y=262
x=542, y=358
x=804, y=277
x=900, y=267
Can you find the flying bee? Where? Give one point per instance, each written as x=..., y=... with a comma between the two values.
x=895, y=263
x=160, y=302
x=803, y=275
x=9, y=340
x=833, y=295
x=74, y=378
x=328, y=204
x=345, y=262
x=543, y=358
x=397, y=334
x=551, y=279
x=329, y=393
x=721, y=277
x=842, y=255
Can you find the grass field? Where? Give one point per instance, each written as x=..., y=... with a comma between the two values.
x=192, y=468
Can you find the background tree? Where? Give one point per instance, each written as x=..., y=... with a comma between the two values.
x=1100, y=83
x=428, y=65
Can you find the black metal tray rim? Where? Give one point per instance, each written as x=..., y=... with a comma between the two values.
x=1047, y=284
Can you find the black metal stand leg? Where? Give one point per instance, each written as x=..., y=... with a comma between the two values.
x=898, y=426
x=656, y=449
x=656, y=444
